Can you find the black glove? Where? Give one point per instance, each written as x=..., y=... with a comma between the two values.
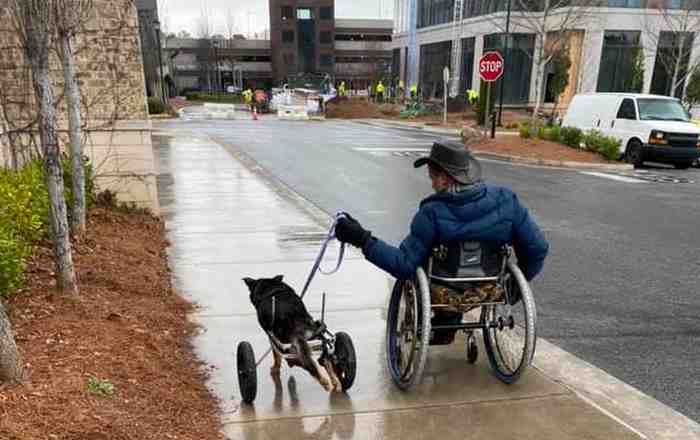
x=349, y=230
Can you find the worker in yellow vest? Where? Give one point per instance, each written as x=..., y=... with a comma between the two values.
x=341, y=90
x=414, y=91
x=400, y=91
x=248, y=98
x=380, y=92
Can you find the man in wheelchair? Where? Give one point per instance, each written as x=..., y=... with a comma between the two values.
x=463, y=212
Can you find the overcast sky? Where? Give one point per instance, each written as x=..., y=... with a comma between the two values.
x=252, y=15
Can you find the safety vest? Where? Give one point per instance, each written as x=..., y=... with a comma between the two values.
x=401, y=84
x=380, y=88
x=414, y=89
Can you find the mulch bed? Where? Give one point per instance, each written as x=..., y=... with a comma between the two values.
x=514, y=145
x=127, y=326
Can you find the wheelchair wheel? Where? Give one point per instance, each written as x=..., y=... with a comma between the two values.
x=345, y=361
x=408, y=330
x=247, y=374
x=510, y=330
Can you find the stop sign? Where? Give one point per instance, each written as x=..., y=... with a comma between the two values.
x=491, y=66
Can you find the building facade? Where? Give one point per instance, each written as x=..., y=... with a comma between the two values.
x=305, y=38
x=622, y=46
x=116, y=126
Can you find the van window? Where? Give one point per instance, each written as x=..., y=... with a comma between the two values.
x=627, y=110
x=659, y=109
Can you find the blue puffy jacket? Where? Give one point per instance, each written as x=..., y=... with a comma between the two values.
x=480, y=213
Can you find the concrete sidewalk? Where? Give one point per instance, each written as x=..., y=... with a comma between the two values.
x=227, y=219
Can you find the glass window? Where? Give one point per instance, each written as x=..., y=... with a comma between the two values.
x=673, y=47
x=304, y=14
x=362, y=37
x=288, y=36
x=661, y=110
x=625, y=3
x=627, y=110
x=467, y=65
x=516, y=77
x=326, y=60
x=434, y=12
x=621, y=64
x=326, y=37
x=326, y=13
x=287, y=13
x=433, y=58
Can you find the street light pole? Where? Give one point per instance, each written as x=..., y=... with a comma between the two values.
x=216, y=60
x=156, y=26
x=505, y=64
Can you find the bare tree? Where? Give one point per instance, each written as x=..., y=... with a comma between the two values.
x=678, y=40
x=204, y=32
x=551, y=21
x=70, y=17
x=35, y=25
x=10, y=362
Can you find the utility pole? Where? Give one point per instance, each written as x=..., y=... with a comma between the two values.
x=505, y=63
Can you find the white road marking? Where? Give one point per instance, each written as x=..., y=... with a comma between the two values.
x=390, y=150
x=613, y=177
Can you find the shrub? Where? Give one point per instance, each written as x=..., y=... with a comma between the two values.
x=524, y=131
x=155, y=106
x=541, y=132
x=24, y=215
x=606, y=146
x=553, y=133
x=571, y=136
x=192, y=96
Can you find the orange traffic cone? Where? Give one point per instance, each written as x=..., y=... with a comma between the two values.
x=255, y=114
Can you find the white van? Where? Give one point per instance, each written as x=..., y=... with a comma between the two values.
x=649, y=127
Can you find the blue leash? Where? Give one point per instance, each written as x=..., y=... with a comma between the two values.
x=317, y=264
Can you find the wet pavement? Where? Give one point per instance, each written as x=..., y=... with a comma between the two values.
x=225, y=221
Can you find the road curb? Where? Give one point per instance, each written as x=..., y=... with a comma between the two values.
x=552, y=163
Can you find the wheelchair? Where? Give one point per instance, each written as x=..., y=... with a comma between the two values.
x=461, y=279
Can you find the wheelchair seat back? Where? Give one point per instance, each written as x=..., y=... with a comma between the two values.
x=468, y=260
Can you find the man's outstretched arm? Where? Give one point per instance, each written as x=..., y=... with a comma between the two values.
x=529, y=243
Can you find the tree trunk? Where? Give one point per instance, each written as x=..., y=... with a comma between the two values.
x=72, y=94
x=539, y=73
x=10, y=361
x=65, y=273
x=677, y=67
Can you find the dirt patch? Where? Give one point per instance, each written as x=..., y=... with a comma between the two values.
x=360, y=109
x=514, y=145
x=127, y=327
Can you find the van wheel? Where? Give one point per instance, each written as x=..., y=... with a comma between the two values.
x=633, y=154
x=682, y=165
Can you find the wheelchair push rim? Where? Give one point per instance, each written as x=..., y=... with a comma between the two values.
x=510, y=329
x=408, y=330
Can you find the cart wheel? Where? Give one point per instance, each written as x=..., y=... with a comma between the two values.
x=345, y=360
x=472, y=348
x=510, y=348
x=408, y=330
x=247, y=374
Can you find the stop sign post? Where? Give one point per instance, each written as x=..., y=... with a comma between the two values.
x=491, y=66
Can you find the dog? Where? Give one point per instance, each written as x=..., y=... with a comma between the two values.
x=282, y=314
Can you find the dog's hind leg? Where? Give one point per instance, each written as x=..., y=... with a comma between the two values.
x=276, y=363
x=310, y=364
x=330, y=368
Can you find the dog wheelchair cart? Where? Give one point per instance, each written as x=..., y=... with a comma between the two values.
x=336, y=348
x=460, y=279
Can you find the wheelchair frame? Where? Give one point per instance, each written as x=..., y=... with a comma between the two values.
x=492, y=322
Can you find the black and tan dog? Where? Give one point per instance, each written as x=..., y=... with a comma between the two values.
x=282, y=314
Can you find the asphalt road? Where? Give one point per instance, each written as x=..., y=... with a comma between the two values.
x=620, y=287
